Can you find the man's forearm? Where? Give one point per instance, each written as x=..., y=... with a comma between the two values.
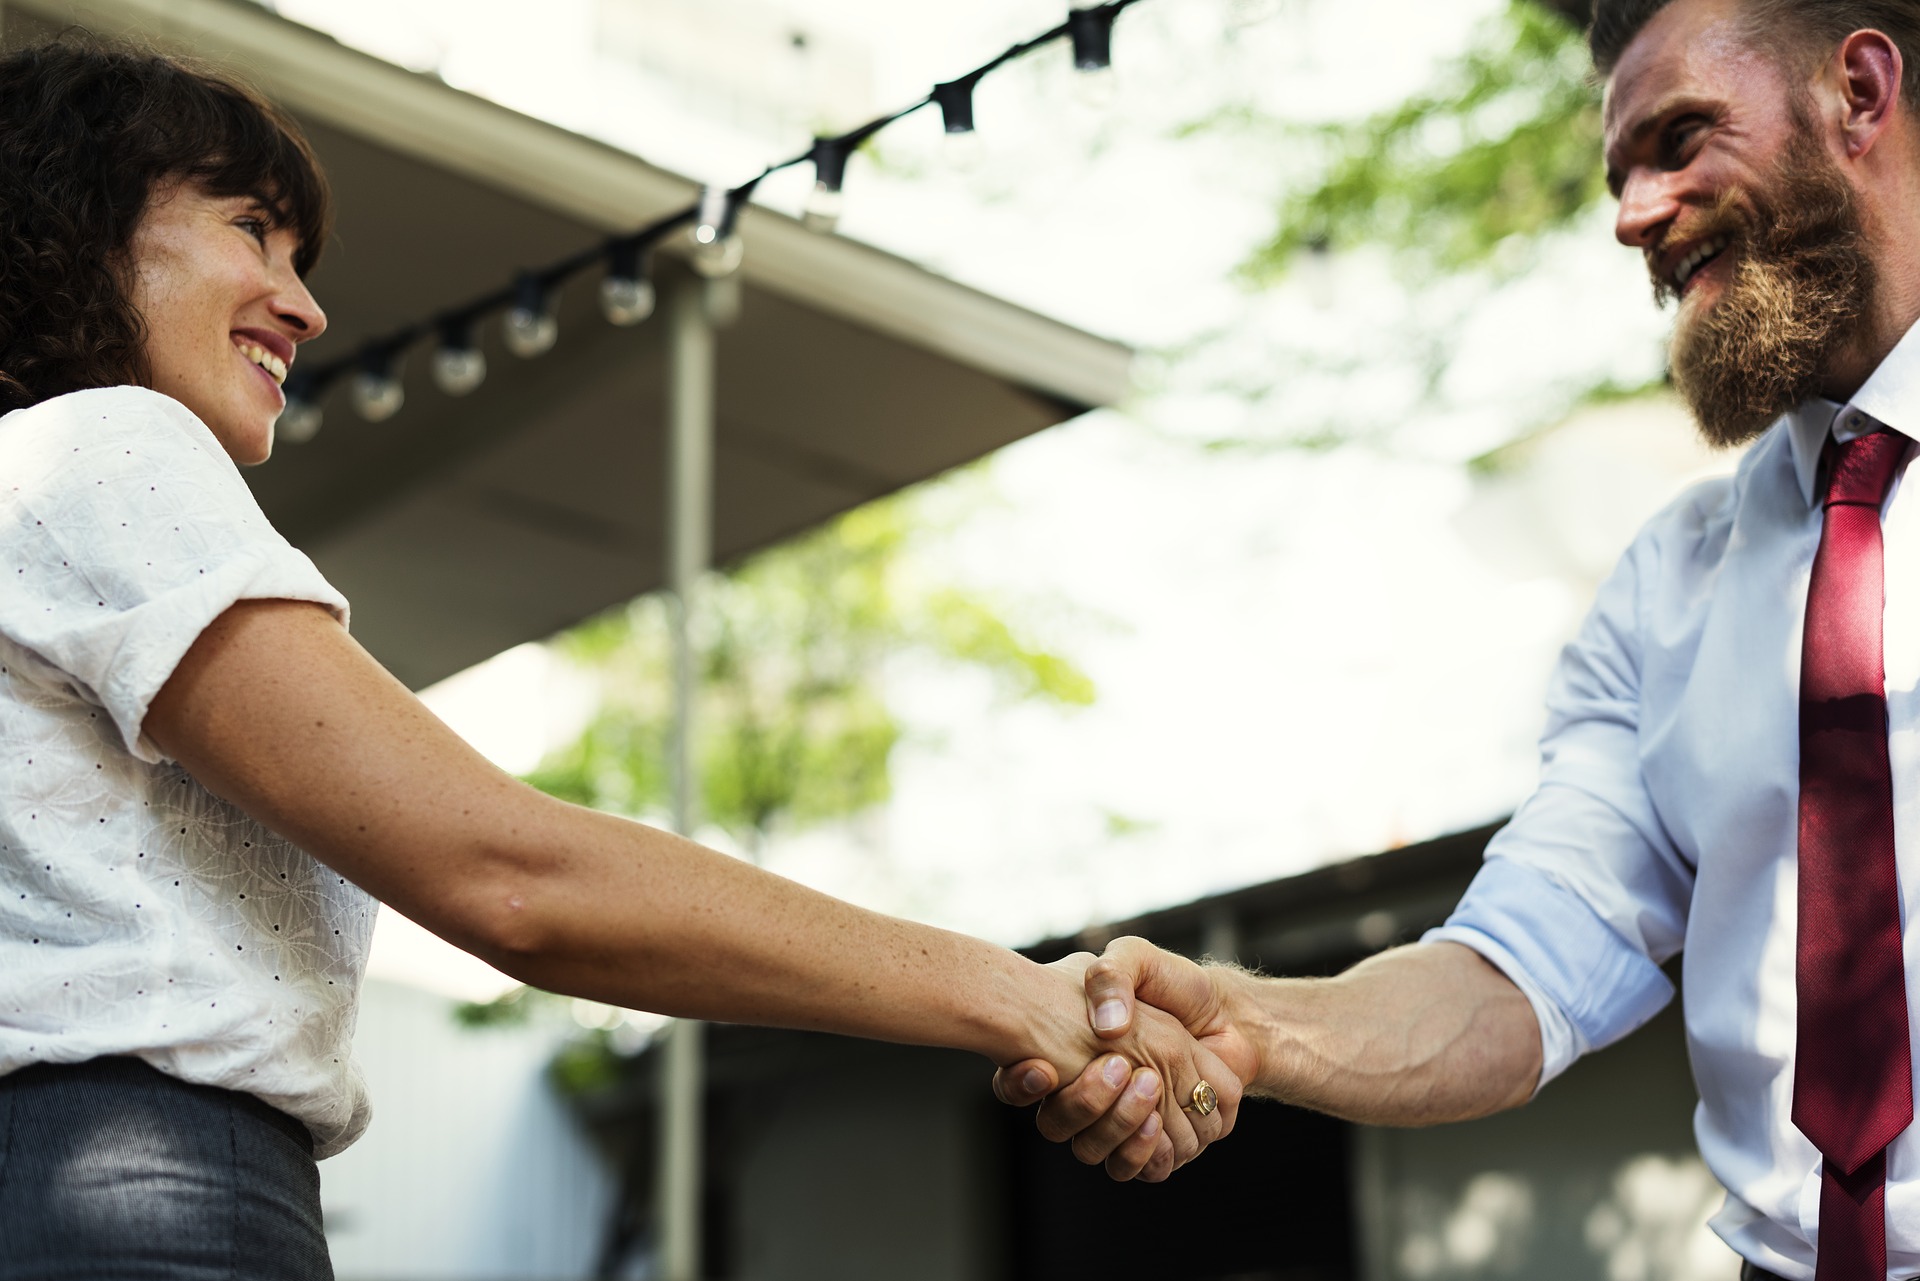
x=1415, y=1036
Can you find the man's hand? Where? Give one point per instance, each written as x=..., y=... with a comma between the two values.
x=1417, y=1035
x=1106, y=1112
x=1139, y=1128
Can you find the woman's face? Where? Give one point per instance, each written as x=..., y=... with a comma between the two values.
x=213, y=278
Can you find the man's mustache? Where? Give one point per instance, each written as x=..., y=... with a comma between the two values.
x=1729, y=217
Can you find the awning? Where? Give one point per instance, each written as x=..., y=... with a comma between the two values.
x=462, y=527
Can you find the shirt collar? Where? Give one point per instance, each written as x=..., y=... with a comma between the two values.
x=1889, y=398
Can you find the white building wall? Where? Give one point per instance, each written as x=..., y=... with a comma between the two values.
x=1597, y=1179
x=472, y=1170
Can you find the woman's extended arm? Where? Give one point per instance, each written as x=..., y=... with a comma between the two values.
x=276, y=709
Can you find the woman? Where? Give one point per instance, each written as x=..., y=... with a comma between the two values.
x=207, y=784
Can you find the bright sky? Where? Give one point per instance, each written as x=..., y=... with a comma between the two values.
x=1302, y=656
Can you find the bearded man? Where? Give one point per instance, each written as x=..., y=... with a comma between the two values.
x=1732, y=757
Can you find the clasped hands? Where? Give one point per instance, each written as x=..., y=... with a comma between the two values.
x=1161, y=1024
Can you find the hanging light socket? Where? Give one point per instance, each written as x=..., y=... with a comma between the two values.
x=530, y=328
x=1090, y=28
x=458, y=366
x=955, y=100
x=717, y=250
x=376, y=390
x=626, y=291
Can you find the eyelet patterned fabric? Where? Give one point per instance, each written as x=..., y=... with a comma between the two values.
x=139, y=913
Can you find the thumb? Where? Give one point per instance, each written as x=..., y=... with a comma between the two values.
x=1133, y=969
x=1110, y=983
x=1024, y=1083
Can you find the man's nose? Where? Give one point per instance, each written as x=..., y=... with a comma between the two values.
x=1647, y=205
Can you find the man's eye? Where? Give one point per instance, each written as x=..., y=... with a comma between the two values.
x=1677, y=140
x=255, y=227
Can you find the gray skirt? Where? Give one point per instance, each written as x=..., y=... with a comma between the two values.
x=112, y=1171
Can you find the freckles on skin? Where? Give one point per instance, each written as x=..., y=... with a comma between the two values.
x=207, y=274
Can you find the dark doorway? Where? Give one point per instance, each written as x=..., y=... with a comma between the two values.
x=1272, y=1202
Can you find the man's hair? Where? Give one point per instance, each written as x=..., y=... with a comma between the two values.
x=1796, y=32
x=88, y=131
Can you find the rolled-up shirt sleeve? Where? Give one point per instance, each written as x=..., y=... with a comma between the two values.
x=1583, y=895
x=126, y=530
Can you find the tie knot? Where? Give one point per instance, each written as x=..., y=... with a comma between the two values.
x=1861, y=470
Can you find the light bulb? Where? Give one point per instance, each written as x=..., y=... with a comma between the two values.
x=1247, y=13
x=717, y=250
x=530, y=332
x=299, y=421
x=377, y=394
x=821, y=213
x=626, y=300
x=1096, y=87
x=458, y=369
x=963, y=150
x=717, y=257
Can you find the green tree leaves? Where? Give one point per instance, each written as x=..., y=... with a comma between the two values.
x=1505, y=144
x=792, y=725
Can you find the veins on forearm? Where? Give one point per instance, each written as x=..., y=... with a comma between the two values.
x=1407, y=1038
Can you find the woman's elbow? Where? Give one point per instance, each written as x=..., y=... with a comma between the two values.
x=499, y=910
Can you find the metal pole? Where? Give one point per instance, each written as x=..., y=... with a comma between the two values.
x=690, y=398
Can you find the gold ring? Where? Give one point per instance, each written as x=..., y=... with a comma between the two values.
x=1204, y=1101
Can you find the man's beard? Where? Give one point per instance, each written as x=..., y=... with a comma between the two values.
x=1800, y=290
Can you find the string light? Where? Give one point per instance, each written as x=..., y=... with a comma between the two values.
x=626, y=292
x=1090, y=30
x=458, y=366
x=829, y=156
x=716, y=249
x=376, y=390
x=821, y=213
x=531, y=329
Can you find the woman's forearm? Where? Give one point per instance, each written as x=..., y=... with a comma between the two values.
x=1415, y=1036
x=637, y=917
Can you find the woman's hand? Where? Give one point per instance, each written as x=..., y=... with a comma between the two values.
x=1125, y=1109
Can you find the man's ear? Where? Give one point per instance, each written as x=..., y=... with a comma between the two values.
x=1868, y=69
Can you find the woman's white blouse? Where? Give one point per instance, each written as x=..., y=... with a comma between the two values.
x=139, y=913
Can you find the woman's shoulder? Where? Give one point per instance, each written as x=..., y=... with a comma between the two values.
x=123, y=430
x=105, y=411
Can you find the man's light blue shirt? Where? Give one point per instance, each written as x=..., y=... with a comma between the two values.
x=1666, y=817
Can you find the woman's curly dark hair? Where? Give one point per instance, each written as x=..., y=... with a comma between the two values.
x=88, y=131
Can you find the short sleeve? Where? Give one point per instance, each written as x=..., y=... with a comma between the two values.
x=125, y=530
x=1583, y=895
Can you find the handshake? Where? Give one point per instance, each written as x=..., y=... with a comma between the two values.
x=1166, y=1048
x=1171, y=1060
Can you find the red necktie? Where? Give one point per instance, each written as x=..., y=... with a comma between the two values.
x=1852, y=1078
